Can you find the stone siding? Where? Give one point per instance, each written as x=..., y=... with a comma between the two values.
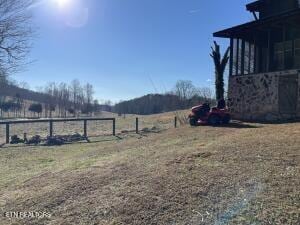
x=298, y=105
x=255, y=97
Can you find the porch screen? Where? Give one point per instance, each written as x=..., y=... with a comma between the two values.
x=284, y=57
x=247, y=53
x=252, y=58
x=234, y=56
x=288, y=55
x=239, y=65
x=243, y=57
x=297, y=54
x=279, y=56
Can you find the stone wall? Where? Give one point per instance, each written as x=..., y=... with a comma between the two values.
x=298, y=110
x=255, y=97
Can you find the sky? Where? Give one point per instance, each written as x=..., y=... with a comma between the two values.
x=128, y=48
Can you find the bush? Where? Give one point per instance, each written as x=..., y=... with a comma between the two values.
x=36, y=108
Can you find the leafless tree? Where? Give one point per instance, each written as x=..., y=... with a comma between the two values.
x=205, y=92
x=75, y=88
x=73, y=98
x=24, y=85
x=89, y=91
x=184, y=89
x=220, y=66
x=15, y=34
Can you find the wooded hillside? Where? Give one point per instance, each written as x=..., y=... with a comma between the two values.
x=10, y=90
x=158, y=103
x=76, y=99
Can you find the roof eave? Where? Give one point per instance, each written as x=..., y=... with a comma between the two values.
x=254, y=6
x=222, y=34
x=227, y=33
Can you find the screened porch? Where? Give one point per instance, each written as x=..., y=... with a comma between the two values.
x=266, y=45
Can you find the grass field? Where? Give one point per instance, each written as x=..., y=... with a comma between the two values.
x=241, y=174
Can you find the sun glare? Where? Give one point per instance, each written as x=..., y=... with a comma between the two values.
x=74, y=13
x=63, y=3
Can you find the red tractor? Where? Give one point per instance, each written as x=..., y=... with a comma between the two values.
x=204, y=115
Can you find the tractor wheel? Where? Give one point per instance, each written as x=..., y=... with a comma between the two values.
x=214, y=120
x=226, y=119
x=193, y=121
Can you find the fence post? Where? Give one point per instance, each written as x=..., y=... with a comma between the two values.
x=25, y=137
x=7, y=133
x=175, y=122
x=137, y=125
x=51, y=128
x=85, y=128
x=114, y=126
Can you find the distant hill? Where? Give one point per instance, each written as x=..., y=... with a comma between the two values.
x=145, y=105
x=156, y=103
x=10, y=90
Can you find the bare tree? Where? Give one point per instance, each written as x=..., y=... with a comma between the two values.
x=72, y=98
x=220, y=66
x=184, y=89
x=15, y=34
x=89, y=92
x=75, y=88
x=205, y=92
x=24, y=85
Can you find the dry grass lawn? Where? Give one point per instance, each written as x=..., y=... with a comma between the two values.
x=241, y=174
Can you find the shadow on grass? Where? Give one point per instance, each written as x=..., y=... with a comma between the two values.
x=281, y=121
x=91, y=140
x=240, y=125
x=114, y=138
x=263, y=122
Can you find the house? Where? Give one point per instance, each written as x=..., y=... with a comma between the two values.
x=264, y=66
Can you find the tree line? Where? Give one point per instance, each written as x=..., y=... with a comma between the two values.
x=54, y=99
x=184, y=95
x=74, y=98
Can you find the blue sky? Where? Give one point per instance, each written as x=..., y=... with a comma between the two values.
x=123, y=47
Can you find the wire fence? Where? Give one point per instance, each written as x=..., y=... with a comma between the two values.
x=88, y=127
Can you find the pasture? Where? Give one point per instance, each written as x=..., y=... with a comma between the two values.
x=240, y=174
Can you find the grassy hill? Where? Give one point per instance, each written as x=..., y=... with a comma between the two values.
x=241, y=174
